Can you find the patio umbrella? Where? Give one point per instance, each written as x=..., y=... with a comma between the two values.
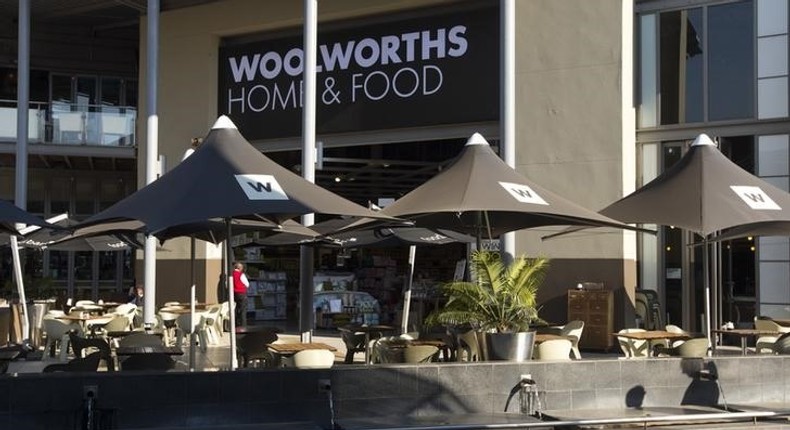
x=62, y=240
x=225, y=178
x=704, y=192
x=479, y=193
x=10, y=215
x=765, y=228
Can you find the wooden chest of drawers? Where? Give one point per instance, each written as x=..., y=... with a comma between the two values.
x=596, y=309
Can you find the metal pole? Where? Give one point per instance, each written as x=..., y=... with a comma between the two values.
x=23, y=103
x=231, y=300
x=407, y=296
x=151, y=154
x=308, y=164
x=507, y=97
x=706, y=283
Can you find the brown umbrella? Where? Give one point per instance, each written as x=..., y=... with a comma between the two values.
x=226, y=177
x=480, y=194
x=705, y=192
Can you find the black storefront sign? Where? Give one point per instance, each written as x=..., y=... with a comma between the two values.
x=420, y=71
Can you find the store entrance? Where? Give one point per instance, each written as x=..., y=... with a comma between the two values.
x=366, y=284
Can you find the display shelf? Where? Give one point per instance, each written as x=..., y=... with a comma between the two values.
x=268, y=296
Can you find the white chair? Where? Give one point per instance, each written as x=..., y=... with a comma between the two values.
x=213, y=329
x=573, y=330
x=198, y=327
x=633, y=348
x=675, y=329
x=767, y=342
x=314, y=359
x=57, y=333
x=469, y=347
x=553, y=349
x=81, y=303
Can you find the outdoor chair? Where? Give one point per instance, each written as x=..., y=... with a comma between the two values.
x=183, y=329
x=57, y=332
x=388, y=349
x=79, y=364
x=675, y=329
x=553, y=349
x=633, y=348
x=415, y=354
x=80, y=344
x=468, y=347
x=253, y=347
x=168, y=325
x=313, y=359
x=782, y=344
x=573, y=330
x=767, y=342
x=213, y=330
x=696, y=347
x=355, y=342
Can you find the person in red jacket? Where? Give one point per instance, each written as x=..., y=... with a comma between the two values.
x=240, y=285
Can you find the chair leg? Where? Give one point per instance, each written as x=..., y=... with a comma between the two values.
x=64, y=347
x=576, y=353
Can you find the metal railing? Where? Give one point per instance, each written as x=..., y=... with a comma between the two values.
x=71, y=124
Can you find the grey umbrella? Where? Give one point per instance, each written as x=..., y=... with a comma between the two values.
x=225, y=178
x=11, y=214
x=480, y=194
x=704, y=192
x=63, y=240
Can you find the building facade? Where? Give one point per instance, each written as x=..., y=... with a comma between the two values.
x=608, y=95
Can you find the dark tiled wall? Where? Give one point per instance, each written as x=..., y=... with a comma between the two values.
x=151, y=400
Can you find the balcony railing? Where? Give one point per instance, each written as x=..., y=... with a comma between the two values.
x=71, y=124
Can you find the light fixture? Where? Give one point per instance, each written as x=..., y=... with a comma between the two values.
x=669, y=248
x=337, y=179
x=751, y=248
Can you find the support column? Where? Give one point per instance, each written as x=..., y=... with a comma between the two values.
x=507, y=98
x=151, y=152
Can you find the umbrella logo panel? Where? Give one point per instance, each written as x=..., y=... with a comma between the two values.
x=755, y=197
x=261, y=187
x=523, y=193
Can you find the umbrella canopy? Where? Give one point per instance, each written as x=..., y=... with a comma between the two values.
x=11, y=214
x=213, y=231
x=480, y=193
x=703, y=192
x=63, y=240
x=226, y=177
x=767, y=228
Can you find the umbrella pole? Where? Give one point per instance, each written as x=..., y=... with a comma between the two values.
x=20, y=284
x=231, y=302
x=407, y=295
x=192, y=303
x=706, y=283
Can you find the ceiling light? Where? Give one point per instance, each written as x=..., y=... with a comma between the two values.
x=337, y=179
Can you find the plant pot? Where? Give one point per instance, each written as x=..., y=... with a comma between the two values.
x=509, y=346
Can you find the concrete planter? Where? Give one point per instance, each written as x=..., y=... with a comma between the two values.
x=509, y=346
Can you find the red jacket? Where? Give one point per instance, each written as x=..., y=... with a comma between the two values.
x=238, y=285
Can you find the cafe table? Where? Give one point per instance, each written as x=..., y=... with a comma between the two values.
x=744, y=334
x=652, y=336
x=140, y=350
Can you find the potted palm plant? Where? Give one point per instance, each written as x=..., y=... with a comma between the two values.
x=501, y=302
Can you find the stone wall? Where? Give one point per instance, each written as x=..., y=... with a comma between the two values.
x=156, y=400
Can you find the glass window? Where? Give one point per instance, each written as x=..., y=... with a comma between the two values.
x=35, y=194
x=681, y=66
x=108, y=265
x=60, y=195
x=59, y=265
x=83, y=265
x=85, y=193
x=731, y=61
x=131, y=93
x=648, y=95
x=109, y=193
x=61, y=91
x=111, y=91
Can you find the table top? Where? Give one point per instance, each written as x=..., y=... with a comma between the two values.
x=256, y=329
x=138, y=350
x=743, y=332
x=653, y=335
x=124, y=333
x=292, y=348
x=542, y=337
x=8, y=355
x=81, y=317
x=367, y=328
